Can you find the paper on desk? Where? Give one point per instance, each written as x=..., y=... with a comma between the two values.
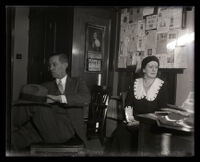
x=174, y=121
x=188, y=104
x=149, y=115
x=176, y=111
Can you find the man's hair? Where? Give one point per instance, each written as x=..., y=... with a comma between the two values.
x=62, y=57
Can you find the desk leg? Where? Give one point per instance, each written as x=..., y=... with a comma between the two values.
x=165, y=144
x=140, y=140
x=148, y=142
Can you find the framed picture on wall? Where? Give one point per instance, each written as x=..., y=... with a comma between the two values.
x=94, y=47
x=94, y=65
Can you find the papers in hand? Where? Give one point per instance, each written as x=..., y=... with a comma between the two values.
x=130, y=120
x=129, y=114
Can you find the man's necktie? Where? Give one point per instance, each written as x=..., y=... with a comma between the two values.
x=60, y=86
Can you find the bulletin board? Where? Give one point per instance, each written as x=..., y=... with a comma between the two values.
x=146, y=31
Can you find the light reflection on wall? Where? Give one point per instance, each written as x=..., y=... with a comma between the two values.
x=181, y=41
x=75, y=51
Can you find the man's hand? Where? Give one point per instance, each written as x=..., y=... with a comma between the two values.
x=52, y=98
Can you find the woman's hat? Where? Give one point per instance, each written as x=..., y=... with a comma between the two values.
x=33, y=94
x=148, y=59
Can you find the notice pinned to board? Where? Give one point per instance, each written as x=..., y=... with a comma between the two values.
x=161, y=43
x=150, y=43
x=151, y=22
x=175, y=18
x=148, y=11
x=163, y=19
x=141, y=28
x=180, y=57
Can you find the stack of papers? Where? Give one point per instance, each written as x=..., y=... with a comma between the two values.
x=175, y=119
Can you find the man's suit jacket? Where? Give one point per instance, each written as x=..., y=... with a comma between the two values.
x=77, y=95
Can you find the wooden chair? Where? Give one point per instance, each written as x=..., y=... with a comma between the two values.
x=73, y=147
x=115, y=113
x=97, y=114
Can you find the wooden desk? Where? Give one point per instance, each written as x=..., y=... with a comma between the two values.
x=157, y=141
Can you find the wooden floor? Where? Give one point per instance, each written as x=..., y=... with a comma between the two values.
x=94, y=148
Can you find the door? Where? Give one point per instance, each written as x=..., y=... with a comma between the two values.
x=50, y=32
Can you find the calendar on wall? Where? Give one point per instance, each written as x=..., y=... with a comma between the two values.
x=155, y=31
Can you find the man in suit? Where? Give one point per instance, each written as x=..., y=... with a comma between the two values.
x=62, y=119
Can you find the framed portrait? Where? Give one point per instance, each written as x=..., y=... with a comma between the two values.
x=94, y=47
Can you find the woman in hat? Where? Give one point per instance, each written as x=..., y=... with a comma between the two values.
x=147, y=94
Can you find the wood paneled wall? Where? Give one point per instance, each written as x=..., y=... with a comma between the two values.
x=51, y=31
x=98, y=16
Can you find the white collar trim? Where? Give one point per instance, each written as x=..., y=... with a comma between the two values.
x=152, y=93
